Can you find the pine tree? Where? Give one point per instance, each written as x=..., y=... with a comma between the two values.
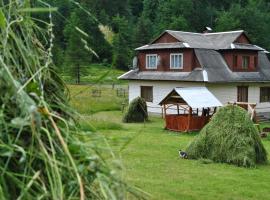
x=75, y=55
x=122, y=52
x=143, y=32
x=226, y=21
x=150, y=8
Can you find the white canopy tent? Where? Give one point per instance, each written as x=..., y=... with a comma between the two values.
x=198, y=97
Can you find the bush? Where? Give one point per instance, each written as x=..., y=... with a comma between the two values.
x=137, y=111
x=230, y=137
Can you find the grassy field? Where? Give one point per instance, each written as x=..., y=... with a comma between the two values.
x=150, y=157
x=85, y=102
x=95, y=73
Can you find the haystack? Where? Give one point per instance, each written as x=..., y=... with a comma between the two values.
x=137, y=111
x=43, y=153
x=231, y=138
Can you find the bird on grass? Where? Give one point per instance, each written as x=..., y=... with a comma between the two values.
x=182, y=154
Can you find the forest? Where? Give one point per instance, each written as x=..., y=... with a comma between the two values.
x=110, y=30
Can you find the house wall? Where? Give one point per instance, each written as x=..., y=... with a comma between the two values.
x=166, y=38
x=190, y=61
x=160, y=90
x=228, y=56
x=242, y=39
x=224, y=92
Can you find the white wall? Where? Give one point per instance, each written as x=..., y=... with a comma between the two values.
x=160, y=91
x=224, y=92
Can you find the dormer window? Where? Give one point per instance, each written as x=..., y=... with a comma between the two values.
x=245, y=62
x=176, y=61
x=151, y=61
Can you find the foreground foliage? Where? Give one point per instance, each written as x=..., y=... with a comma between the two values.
x=137, y=111
x=230, y=137
x=42, y=152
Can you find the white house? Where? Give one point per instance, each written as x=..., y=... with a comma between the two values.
x=227, y=63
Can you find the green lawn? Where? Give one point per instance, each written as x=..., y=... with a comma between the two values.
x=85, y=102
x=150, y=157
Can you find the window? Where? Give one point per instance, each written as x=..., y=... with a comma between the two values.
x=265, y=94
x=235, y=58
x=242, y=93
x=151, y=61
x=245, y=62
x=147, y=93
x=176, y=61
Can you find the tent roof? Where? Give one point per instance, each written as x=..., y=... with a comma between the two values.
x=195, y=97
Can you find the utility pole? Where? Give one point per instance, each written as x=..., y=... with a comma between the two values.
x=78, y=74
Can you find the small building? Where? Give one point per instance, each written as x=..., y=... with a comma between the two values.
x=188, y=109
x=228, y=64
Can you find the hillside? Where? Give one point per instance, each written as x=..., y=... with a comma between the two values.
x=112, y=29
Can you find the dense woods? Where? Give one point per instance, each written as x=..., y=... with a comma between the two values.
x=116, y=27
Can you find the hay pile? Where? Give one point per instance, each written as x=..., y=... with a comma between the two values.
x=43, y=153
x=137, y=111
x=231, y=138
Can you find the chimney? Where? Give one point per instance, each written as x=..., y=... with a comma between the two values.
x=207, y=30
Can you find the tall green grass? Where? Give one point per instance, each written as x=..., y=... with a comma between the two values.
x=42, y=153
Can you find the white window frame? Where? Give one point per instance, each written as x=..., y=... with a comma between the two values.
x=149, y=55
x=182, y=60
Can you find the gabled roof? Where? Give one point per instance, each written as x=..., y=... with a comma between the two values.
x=216, y=41
x=223, y=40
x=175, y=45
x=195, y=97
x=195, y=75
x=195, y=40
x=213, y=70
x=246, y=47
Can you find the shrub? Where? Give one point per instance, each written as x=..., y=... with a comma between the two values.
x=137, y=111
x=230, y=137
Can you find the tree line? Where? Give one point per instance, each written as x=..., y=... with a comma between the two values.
x=112, y=29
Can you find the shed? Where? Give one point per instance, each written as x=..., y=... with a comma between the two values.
x=188, y=109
